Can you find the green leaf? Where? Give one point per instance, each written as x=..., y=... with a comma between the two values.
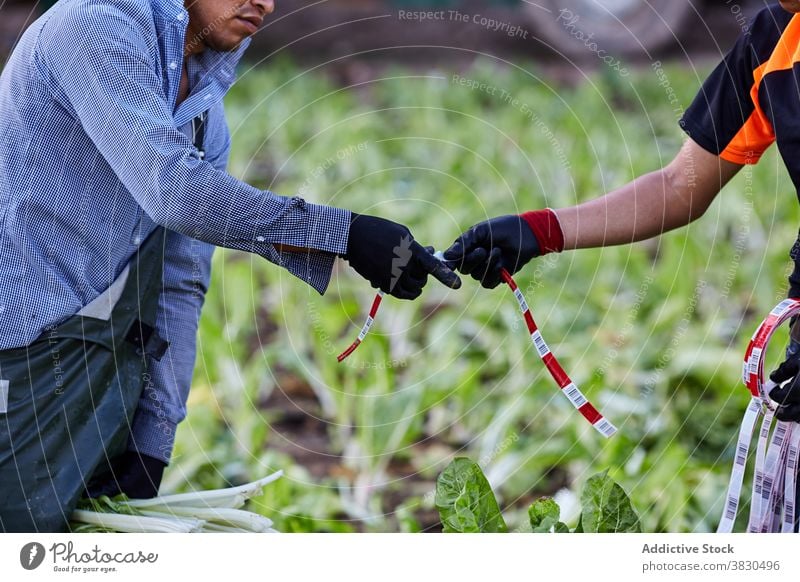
x=561, y=528
x=606, y=507
x=579, y=527
x=544, y=514
x=106, y=504
x=465, y=500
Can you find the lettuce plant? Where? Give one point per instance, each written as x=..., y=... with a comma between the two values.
x=467, y=504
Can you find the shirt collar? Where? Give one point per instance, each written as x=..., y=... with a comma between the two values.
x=168, y=12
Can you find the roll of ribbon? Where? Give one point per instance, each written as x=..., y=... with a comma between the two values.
x=772, y=504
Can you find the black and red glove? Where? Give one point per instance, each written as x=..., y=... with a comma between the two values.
x=505, y=242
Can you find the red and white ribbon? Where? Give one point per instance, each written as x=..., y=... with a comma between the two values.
x=567, y=386
x=373, y=311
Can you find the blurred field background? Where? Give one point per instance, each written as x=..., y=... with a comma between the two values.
x=654, y=332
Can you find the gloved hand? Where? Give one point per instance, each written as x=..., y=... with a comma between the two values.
x=136, y=475
x=505, y=242
x=386, y=254
x=788, y=396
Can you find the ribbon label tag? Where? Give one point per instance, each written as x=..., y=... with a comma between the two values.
x=4, y=396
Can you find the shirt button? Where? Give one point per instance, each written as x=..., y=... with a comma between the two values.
x=260, y=239
x=137, y=240
x=173, y=65
x=207, y=96
x=180, y=16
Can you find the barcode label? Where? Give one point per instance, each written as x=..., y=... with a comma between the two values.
x=755, y=356
x=540, y=344
x=523, y=305
x=730, y=508
x=575, y=395
x=781, y=307
x=606, y=428
x=767, y=488
x=365, y=329
x=780, y=434
x=792, y=461
x=759, y=479
x=741, y=454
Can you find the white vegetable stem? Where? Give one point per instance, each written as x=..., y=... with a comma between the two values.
x=137, y=523
x=231, y=497
x=235, y=518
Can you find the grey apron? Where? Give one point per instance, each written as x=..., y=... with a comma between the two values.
x=67, y=400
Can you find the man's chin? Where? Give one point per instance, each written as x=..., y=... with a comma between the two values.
x=227, y=45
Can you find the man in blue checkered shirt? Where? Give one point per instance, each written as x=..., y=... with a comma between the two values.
x=112, y=127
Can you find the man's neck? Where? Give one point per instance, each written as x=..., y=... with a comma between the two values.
x=194, y=43
x=183, y=88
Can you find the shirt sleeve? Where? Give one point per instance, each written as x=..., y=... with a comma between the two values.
x=726, y=117
x=97, y=65
x=187, y=272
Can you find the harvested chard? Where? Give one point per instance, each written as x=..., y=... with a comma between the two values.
x=231, y=497
x=237, y=518
x=124, y=523
x=201, y=511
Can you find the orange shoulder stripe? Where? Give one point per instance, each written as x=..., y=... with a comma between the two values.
x=757, y=134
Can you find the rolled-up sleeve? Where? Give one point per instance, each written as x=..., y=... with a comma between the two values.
x=110, y=83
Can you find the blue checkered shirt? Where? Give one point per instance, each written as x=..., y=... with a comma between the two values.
x=94, y=155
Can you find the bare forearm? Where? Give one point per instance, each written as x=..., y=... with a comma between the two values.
x=641, y=209
x=649, y=205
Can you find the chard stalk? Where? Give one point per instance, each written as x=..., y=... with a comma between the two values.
x=137, y=523
x=213, y=498
x=236, y=518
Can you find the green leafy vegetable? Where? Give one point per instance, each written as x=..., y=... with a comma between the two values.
x=466, y=504
x=544, y=515
x=465, y=500
x=606, y=507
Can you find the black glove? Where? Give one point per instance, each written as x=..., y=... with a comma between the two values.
x=136, y=475
x=386, y=254
x=505, y=242
x=788, y=396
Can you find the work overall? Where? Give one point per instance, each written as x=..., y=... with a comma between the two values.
x=67, y=400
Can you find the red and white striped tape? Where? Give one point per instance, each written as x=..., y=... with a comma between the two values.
x=772, y=505
x=567, y=386
x=373, y=311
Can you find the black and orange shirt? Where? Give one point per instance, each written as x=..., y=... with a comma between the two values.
x=752, y=98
